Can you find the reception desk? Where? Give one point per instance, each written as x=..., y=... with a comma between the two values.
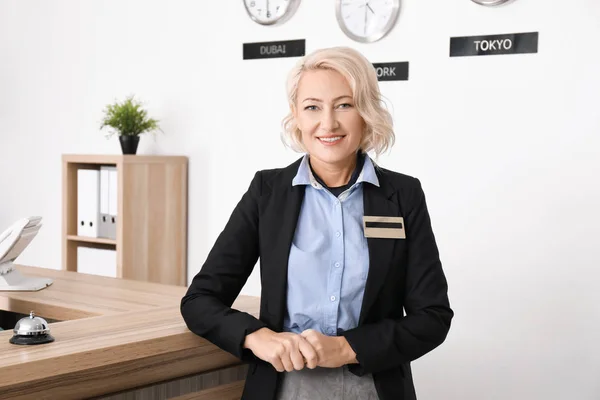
x=115, y=339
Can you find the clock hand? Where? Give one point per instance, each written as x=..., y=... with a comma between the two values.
x=370, y=8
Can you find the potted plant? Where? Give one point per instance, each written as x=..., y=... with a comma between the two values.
x=129, y=120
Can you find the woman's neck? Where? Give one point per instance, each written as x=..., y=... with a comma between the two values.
x=334, y=175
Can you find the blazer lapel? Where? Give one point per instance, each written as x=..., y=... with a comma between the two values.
x=283, y=209
x=378, y=201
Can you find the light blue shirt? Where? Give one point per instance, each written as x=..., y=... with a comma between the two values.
x=329, y=257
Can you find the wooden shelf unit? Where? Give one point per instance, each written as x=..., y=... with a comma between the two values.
x=151, y=240
x=88, y=239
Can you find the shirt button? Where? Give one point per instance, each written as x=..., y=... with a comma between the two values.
x=337, y=265
x=338, y=234
x=332, y=298
x=337, y=202
x=331, y=331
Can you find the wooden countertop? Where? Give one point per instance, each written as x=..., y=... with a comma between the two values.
x=116, y=334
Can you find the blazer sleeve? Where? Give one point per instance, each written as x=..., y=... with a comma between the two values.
x=389, y=343
x=206, y=307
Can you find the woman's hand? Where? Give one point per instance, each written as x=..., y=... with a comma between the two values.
x=332, y=351
x=286, y=351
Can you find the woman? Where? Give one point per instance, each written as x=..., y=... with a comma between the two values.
x=352, y=286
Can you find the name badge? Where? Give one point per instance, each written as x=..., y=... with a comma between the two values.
x=384, y=227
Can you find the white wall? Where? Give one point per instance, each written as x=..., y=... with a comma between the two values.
x=503, y=145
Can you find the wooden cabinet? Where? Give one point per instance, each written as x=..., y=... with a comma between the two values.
x=151, y=231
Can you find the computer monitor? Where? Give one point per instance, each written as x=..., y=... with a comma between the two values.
x=12, y=243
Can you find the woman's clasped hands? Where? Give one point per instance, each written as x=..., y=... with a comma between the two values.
x=288, y=351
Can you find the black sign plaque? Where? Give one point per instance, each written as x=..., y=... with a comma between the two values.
x=286, y=48
x=393, y=71
x=515, y=43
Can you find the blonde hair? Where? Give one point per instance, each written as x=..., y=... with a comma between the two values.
x=362, y=78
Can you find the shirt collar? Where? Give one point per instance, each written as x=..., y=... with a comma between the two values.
x=304, y=175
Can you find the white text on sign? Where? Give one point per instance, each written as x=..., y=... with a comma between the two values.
x=385, y=71
x=274, y=49
x=489, y=45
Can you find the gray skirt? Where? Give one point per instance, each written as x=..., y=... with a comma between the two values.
x=326, y=383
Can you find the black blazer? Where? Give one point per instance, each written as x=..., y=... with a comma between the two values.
x=405, y=311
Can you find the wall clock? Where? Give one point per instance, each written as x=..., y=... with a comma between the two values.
x=367, y=21
x=490, y=2
x=271, y=12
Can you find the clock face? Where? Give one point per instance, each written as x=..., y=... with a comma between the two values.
x=490, y=2
x=271, y=12
x=367, y=20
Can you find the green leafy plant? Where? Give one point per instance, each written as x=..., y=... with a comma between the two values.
x=128, y=119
